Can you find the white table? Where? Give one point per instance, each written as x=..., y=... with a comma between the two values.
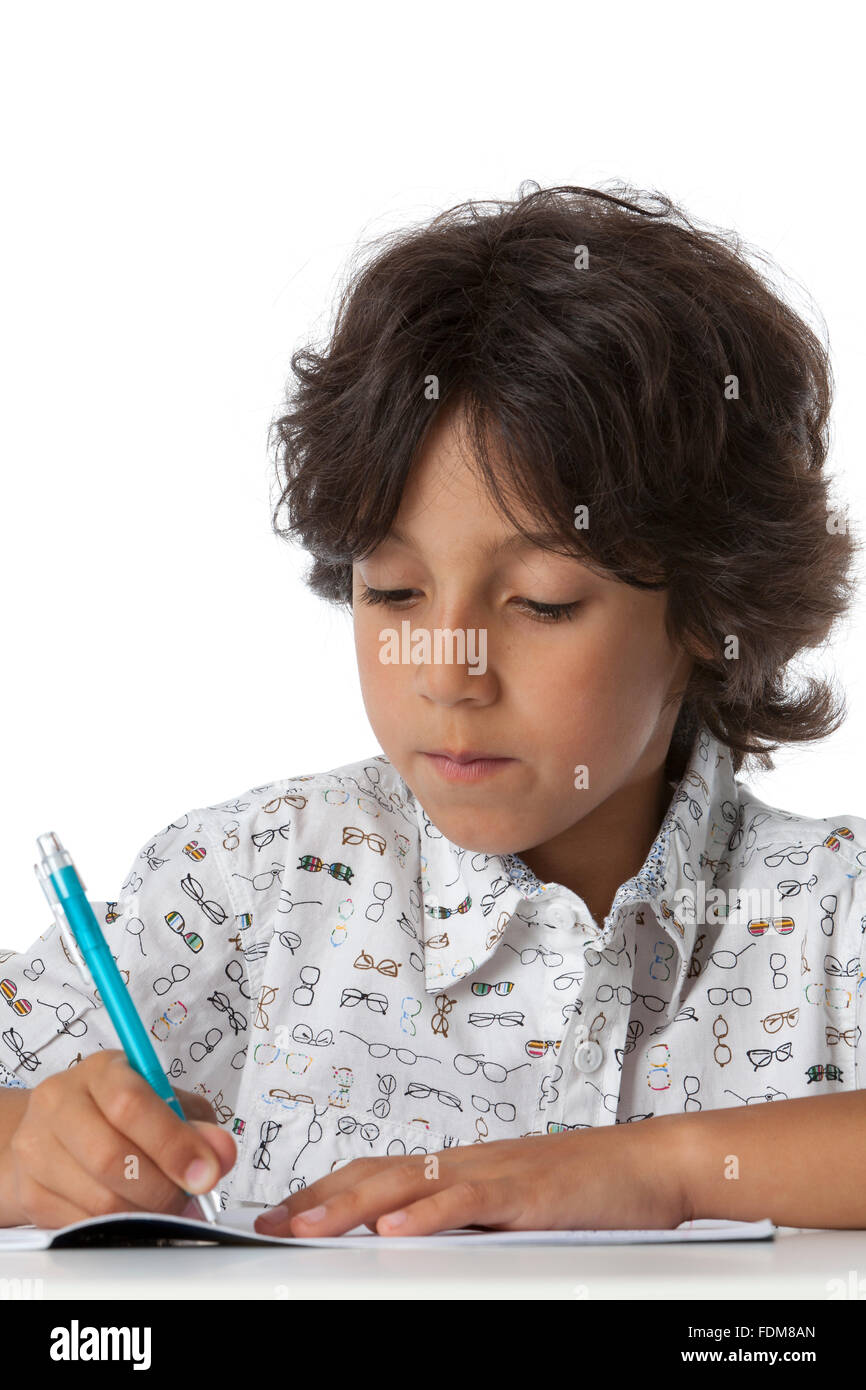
x=808, y=1265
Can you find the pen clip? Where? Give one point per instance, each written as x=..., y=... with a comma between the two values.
x=72, y=947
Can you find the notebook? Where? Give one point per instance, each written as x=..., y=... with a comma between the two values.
x=235, y=1227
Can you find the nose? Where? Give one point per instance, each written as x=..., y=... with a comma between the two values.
x=455, y=665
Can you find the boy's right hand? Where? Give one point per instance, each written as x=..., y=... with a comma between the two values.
x=97, y=1139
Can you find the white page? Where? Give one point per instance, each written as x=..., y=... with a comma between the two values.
x=147, y=1227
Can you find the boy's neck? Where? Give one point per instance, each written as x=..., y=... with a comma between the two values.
x=608, y=846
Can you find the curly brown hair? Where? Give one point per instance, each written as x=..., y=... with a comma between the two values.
x=662, y=382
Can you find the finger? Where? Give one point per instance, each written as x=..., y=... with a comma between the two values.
x=222, y=1143
x=275, y=1220
x=196, y=1107
x=89, y=1163
x=489, y=1203
x=174, y=1146
x=381, y=1190
x=48, y=1209
x=326, y=1188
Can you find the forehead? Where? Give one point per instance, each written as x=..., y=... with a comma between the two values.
x=446, y=497
x=449, y=514
x=509, y=544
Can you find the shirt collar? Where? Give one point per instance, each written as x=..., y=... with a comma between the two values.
x=469, y=897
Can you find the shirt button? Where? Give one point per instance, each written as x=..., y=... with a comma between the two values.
x=588, y=1055
x=561, y=915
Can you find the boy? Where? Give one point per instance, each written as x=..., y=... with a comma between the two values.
x=587, y=440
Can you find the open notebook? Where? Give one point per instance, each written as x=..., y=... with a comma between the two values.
x=235, y=1227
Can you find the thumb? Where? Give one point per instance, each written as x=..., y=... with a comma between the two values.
x=194, y=1105
x=221, y=1142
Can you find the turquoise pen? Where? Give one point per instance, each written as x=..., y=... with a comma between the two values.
x=89, y=949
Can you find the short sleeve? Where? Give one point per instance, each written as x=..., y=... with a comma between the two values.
x=857, y=941
x=169, y=930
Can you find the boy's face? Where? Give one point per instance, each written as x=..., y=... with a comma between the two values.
x=551, y=696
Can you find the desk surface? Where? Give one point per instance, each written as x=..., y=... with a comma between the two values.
x=816, y=1265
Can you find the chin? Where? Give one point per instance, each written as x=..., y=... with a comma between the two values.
x=472, y=832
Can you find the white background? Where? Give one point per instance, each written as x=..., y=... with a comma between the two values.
x=183, y=186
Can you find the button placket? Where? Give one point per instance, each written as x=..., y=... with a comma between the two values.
x=593, y=1040
x=560, y=914
x=588, y=1055
x=564, y=913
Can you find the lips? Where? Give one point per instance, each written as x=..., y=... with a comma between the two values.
x=469, y=755
x=466, y=764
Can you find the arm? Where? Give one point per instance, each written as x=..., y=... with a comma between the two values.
x=44, y=1050
x=13, y=1103
x=800, y=1162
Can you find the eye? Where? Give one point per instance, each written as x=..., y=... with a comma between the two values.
x=369, y=595
x=543, y=612
x=550, y=612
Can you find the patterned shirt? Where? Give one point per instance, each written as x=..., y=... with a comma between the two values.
x=339, y=979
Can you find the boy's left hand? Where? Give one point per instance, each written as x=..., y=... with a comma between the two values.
x=615, y=1177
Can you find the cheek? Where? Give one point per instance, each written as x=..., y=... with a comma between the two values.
x=602, y=688
x=382, y=683
x=367, y=627
x=371, y=671
x=574, y=676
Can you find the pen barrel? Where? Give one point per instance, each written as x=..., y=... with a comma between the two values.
x=109, y=981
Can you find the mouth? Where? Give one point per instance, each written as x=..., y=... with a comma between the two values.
x=467, y=766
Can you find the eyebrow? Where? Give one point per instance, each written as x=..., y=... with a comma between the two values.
x=540, y=540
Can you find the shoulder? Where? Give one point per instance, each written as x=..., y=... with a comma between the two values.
x=842, y=836
x=230, y=856
x=257, y=840
x=820, y=858
x=368, y=787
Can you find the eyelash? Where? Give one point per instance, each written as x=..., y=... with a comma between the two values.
x=545, y=612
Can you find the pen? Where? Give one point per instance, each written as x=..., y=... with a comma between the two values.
x=89, y=949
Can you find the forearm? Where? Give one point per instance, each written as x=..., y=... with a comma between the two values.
x=13, y=1103
x=799, y=1162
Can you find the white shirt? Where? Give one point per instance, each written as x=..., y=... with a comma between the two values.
x=339, y=979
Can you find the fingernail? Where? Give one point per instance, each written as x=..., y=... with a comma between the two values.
x=314, y=1214
x=273, y=1217
x=394, y=1218
x=200, y=1176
